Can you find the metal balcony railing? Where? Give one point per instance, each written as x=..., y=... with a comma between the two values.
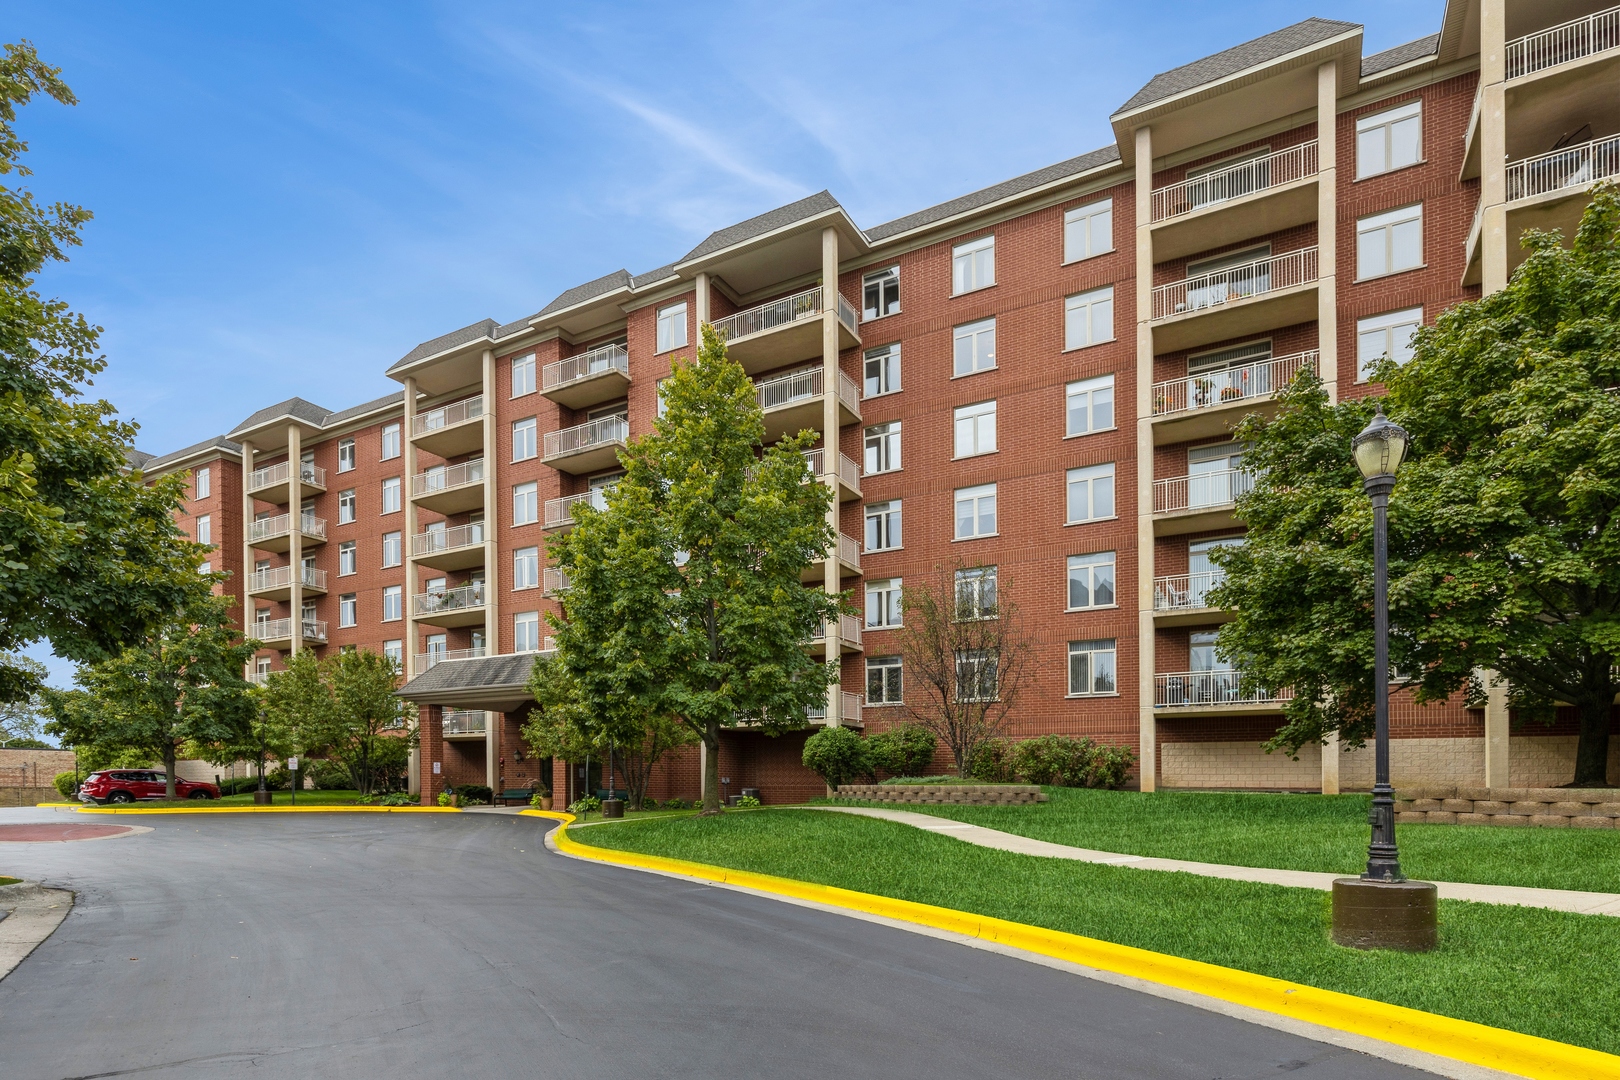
x=280, y=525
x=281, y=577
x=604, y=431
x=281, y=629
x=1573, y=166
x=1234, y=384
x=1212, y=688
x=1200, y=491
x=1560, y=44
x=776, y=313
x=849, y=471
x=457, y=412
x=258, y=678
x=448, y=477
x=439, y=601
x=560, y=512
x=436, y=540
x=553, y=580
x=279, y=474
x=800, y=386
x=1244, y=178
x=849, y=629
x=588, y=363
x=428, y=659
x=1235, y=283
x=1184, y=592
x=464, y=722
x=850, y=709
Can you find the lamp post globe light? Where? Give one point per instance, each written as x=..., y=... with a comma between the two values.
x=1382, y=909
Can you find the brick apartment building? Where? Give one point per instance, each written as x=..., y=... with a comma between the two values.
x=1035, y=382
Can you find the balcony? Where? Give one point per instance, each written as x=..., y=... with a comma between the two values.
x=849, y=473
x=1199, y=406
x=277, y=633
x=1563, y=44
x=849, y=710
x=457, y=548
x=276, y=582
x=560, y=512
x=553, y=581
x=1214, y=693
x=849, y=636
x=793, y=402
x=450, y=489
x=778, y=333
x=1239, y=300
x=451, y=430
x=1181, y=599
x=1251, y=198
x=587, y=448
x=1201, y=501
x=275, y=533
x=1548, y=191
x=464, y=723
x=849, y=562
x=424, y=661
x=593, y=377
x=258, y=678
x=462, y=606
x=271, y=483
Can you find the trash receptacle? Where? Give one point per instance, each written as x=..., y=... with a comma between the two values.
x=613, y=808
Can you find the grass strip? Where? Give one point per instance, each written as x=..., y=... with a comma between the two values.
x=1539, y=972
x=9, y=880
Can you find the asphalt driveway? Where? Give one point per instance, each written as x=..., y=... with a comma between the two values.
x=405, y=946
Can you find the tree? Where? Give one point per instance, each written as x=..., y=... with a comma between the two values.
x=966, y=659
x=267, y=735
x=182, y=686
x=684, y=596
x=1504, y=526
x=20, y=719
x=90, y=557
x=296, y=710
x=366, y=726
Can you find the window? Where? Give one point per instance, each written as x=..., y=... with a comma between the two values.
x=661, y=407
x=346, y=455
x=526, y=568
x=1091, y=668
x=393, y=603
x=1088, y=318
x=438, y=646
x=1091, y=493
x=522, y=375
x=976, y=429
x=882, y=448
x=880, y=294
x=882, y=370
x=1389, y=140
x=390, y=441
x=1202, y=573
x=202, y=483
x=1390, y=334
x=1091, y=580
x=672, y=327
x=526, y=632
x=525, y=504
x=390, y=495
x=975, y=347
x=975, y=511
x=1215, y=475
x=345, y=506
x=393, y=549
x=976, y=593
x=395, y=652
x=205, y=567
x=346, y=559
x=977, y=675
x=524, y=434
x=1390, y=242
x=883, y=525
x=973, y=265
x=883, y=680
x=883, y=603
x=1089, y=406
x=205, y=529
x=1088, y=230
x=348, y=610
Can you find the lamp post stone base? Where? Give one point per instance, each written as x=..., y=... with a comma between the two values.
x=1399, y=915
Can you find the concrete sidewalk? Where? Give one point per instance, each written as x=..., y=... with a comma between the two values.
x=1583, y=903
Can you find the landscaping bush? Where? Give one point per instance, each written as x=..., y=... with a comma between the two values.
x=329, y=775
x=539, y=793
x=677, y=803
x=475, y=793
x=1110, y=765
x=901, y=751
x=837, y=755
x=1065, y=761
x=66, y=783
x=648, y=803
x=992, y=762
x=748, y=802
x=582, y=807
x=448, y=797
x=241, y=785
x=393, y=798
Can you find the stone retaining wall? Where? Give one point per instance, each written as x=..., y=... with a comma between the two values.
x=1589, y=808
x=969, y=794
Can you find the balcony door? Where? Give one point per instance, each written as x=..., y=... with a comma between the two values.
x=1222, y=180
x=1213, y=679
x=1214, y=476
x=1202, y=574
x=1229, y=374
x=1228, y=277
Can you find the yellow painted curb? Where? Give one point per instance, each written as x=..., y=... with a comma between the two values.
x=1460, y=1040
x=270, y=810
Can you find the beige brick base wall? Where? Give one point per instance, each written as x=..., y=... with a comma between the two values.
x=1236, y=765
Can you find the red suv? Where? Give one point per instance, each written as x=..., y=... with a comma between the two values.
x=128, y=785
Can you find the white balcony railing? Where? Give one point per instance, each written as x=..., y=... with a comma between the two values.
x=1560, y=44
x=448, y=477
x=1212, y=688
x=849, y=550
x=560, y=512
x=1234, y=384
x=590, y=362
x=776, y=313
x=1573, y=166
x=1201, y=491
x=440, y=601
x=849, y=629
x=279, y=474
x=1185, y=592
x=436, y=540
x=269, y=528
x=1235, y=283
x=258, y=678
x=800, y=386
x=849, y=471
x=457, y=412
x=605, y=431
x=426, y=660
x=850, y=708
x=1244, y=178
x=553, y=580
x=282, y=629
x=464, y=722
x=281, y=577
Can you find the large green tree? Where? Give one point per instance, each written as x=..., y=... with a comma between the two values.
x=90, y=557
x=1504, y=526
x=345, y=707
x=684, y=595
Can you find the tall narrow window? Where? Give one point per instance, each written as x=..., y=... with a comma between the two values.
x=1088, y=319
x=1092, y=666
x=883, y=679
x=1088, y=230
x=393, y=551
x=348, y=610
x=346, y=455
x=523, y=375
x=1390, y=242
x=526, y=568
x=1089, y=405
x=672, y=327
x=883, y=525
x=524, y=439
x=883, y=603
x=976, y=593
x=880, y=294
x=977, y=675
x=1091, y=493
x=1390, y=334
x=974, y=347
x=394, y=651
x=525, y=503
x=1091, y=580
x=393, y=603
x=390, y=441
x=882, y=370
x=205, y=529
x=526, y=632
x=390, y=495
x=882, y=448
x=1389, y=140
x=975, y=429
x=346, y=559
x=202, y=483
x=345, y=506
x=973, y=265
x=975, y=511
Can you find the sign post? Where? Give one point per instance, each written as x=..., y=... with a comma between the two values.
x=292, y=767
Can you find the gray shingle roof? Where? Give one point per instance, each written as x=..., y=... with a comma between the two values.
x=481, y=329
x=653, y=276
x=485, y=673
x=307, y=411
x=619, y=279
x=148, y=462
x=1301, y=35
x=396, y=398
x=137, y=459
x=818, y=203
x=984, y=197
x=1400, y=54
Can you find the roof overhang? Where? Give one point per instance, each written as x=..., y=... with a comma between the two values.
x=164, y=465
x=447, y=371
x=581, y=320
x=782, y=254
x=497, y=683
x=270, y=435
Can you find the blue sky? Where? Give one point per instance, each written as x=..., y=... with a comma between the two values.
x=289, y=197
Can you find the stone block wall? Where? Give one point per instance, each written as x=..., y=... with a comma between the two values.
x=962, y=794
x=1578, y=808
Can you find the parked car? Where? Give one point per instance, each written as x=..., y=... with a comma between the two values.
x=130, y=785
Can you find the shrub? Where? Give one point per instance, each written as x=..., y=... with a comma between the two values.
x=66, y=783
x=992, y=762
x=539, y=793
x=475, y=793
x=901, y=751
x=648, y=803
x=748, y=802
x=837, y=755
x=582, y=807
x=241, y=785
x=1110, y=765
x=448, y=797
x=393, y=798
x=677, y=803
x=329, y=775
x=1053, y=759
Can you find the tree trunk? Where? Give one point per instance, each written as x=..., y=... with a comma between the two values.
x=168, y=768
x=711, y=768
x=1592, y=749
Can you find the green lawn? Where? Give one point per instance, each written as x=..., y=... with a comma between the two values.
x=9, y=880
x=1541, y=972
x=1327, y=833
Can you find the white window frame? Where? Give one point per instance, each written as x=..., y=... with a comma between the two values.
x=1088, y=395
x=202, y=483
x=887, y=594
x=393, y=549
x=526, y=568
x=1088, y=319
x=523, y=383
x=525, y=439
x=1386, y=330
x=205, y=529
x=394, y=650
x=1088, y=566
x=1094, y=486
x=975, y=333
x=889, y=669
x=879, y=279
x=1091, y=650
x=349, y=610
x=883, y=522
x=1081, y=228
x=881, y=447
x=672, y=327
x=525, y=503
x=887, y=359
x=973, y=430
x=348, y=559
x=392, y=491
x=393, y=601
x=526, y=632
x=1380, y=127
x=973, y=583
x=346, y=455
x=970, y=661
x=976, y=496
x=973, y=265
x=1379, y=231
x=390, y=442
x=347, y=507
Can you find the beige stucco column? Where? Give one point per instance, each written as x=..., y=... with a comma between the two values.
x=492, y=568
x=295, y=533
x=1147, y=724
x=1327, y=228
x=1494, y=239
x=1331, y=754
x=829, y=442
x=407, y=428
x=249, y=608
x=1496, y=731
x=702, y=299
